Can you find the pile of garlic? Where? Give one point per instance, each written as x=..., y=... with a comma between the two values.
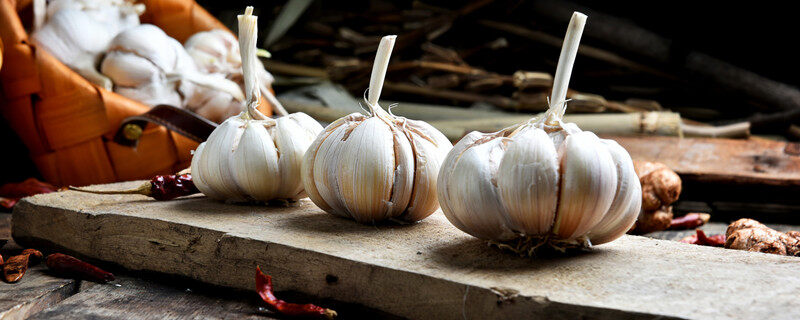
x=104, y=42
x=147, y=65
x=78, y=32
x=376, y=167
x=544, y=181
x=251, y=157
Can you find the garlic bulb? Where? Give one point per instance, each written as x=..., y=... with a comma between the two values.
x=544, y=181
x=217, y=51
x=147, y=65
x=115, y=15
x=77, y=32
x=76, y=40
x=376, y=167
x=250, y=157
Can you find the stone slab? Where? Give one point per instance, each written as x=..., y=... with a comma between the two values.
x=427, y=270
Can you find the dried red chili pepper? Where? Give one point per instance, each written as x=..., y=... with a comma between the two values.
x=10, y=193
x=15, y=268
x=717, y=240
x=71, y=267
x=264, y=288
x=164, y=187
x=689, y=221
x=35, y=256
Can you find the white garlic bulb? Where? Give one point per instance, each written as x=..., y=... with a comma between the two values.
x=147, y=65
x=250, y=157
x=77, y=32
x=115, y=15
x=542, y=182
x=376, y=167
x=76, y=40
x=217, y=52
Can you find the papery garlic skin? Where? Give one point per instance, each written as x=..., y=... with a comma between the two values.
x=250, y=157
x=541, y=182
x=376, y=167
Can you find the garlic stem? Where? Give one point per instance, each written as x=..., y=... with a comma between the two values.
x=566, y=60
x=279, y=109
x=39, y=14
x=379, y=68
x=248, y=31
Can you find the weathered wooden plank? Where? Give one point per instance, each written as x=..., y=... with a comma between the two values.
x=427, y=270
x=36, y=291
x=130, y=298
x=752, y=161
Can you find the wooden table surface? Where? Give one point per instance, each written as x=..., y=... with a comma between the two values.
x=40, y=295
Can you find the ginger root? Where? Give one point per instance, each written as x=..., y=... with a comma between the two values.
x=660, y=185
x=660, y=188
x=751, y=235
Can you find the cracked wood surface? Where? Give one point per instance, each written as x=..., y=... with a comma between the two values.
x=427, y=270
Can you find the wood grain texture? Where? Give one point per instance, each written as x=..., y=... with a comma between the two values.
x=753, y=161
x=130, y=298
x=36, y=291
x=427, y=270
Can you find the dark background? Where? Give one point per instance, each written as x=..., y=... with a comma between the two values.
x=758, y=36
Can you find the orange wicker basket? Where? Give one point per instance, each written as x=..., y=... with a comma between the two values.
x=68, y=124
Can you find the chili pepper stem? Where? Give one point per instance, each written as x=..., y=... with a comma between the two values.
x=145, y=189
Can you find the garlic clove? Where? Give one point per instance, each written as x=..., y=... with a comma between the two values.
x=627, y=201
x=309, y=160
x=216, y=162
x=199, y=179
x=430, y=148
x=364, y=177
x=129, y=70
x=528, y=180
x=256, y=153
x=325, y=164
x=588, y=185
x=293, y=137
x=473, y=201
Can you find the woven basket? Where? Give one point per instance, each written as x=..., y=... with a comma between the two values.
x=68, y=123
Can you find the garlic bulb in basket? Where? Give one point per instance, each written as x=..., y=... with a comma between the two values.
x=149, y=66
x=115, y=15
x=77, y=32
x=376, y=167
x=249, y=156
x=76, y=40
x=544, y=181
x=217, y=52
